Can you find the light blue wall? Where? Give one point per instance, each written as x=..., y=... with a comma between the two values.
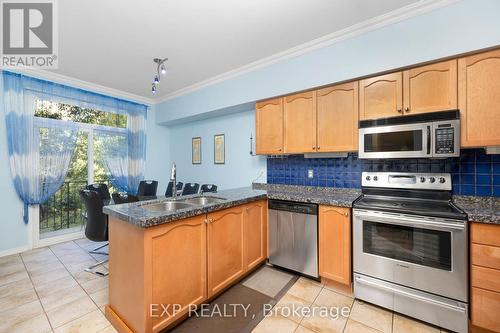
x=157, y=152
x=240, y=168
x=464, y=26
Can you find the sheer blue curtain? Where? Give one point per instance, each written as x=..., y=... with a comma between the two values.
x=115, y=158
x=35, y=177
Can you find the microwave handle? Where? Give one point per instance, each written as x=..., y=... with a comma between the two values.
x=428, y=140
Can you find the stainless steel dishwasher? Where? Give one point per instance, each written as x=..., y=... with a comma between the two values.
x=293, y=236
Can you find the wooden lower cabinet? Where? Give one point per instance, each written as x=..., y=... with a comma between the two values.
x=485, y=276
x=255, y=226
x=335, y=244
x=225, y=247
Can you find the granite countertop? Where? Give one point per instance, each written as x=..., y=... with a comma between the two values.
x=341, y=197
x=479, y=209
x=136, y=214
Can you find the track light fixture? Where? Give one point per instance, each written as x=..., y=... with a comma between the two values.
x=160, y=69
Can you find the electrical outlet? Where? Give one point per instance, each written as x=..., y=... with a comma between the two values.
x=310, y=173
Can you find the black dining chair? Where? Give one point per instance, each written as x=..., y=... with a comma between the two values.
x=205, y=188
x=178, y=187
x=96, y=228
x=119, y=198
x=147, y=188
x=101, y=189
x=190, y=188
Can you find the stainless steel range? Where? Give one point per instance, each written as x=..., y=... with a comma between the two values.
x=410, y=247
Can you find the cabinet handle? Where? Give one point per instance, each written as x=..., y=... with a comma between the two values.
x=279, y=149
x=314, y=148
x=400, y=111
x=407, y=109
x=317, y=147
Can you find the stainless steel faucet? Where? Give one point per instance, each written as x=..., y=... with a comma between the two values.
x=173, y=179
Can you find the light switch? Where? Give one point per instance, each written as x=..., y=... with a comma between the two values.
x=310, y=173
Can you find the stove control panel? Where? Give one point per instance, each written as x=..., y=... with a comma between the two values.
x=407, y=180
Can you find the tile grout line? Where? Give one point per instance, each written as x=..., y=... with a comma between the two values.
x=36, y=292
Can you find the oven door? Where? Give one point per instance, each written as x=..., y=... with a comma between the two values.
x=398, y=141
x=425, y=253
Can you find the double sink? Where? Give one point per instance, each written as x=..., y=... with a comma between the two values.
x=172, y=205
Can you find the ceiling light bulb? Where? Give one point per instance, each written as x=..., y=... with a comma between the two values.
x=163, y=70
x=156, y=79
x=153, y=88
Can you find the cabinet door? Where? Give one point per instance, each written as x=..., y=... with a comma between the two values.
x=225, y=247
x=335, y=244
x=479, y=99
x=337, y=118
x=482, y=314
x=269, y=126
x=255, y=233
x=381, y=96
x=178, y=259
x=430, y=88
x=300, y=123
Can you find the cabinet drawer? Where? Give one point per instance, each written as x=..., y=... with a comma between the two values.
x=488, y=234
x=485, y=255
x=485, y=305
x=486, y=278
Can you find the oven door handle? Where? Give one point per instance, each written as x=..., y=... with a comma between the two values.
x=409, y=295
x=403, y=220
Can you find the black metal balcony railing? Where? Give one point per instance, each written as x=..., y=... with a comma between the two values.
x=64, y=209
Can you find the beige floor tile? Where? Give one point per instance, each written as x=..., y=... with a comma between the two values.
x=70, y=311
x=291, y=307
x=404, y=324
x=100, y=297
x=45, y=277
x=14, y=258
x=15, y=300
x=96, y=284
x=73, y=267
x=321, y=320
x=51, y=287
x=11, y=318
x=43, y=265
x=16, y=287
x=82, y=276
x=275, y=324
x=306, y=289
x=332, y=299
x=9, y=268
x=355, y=327
x=37, y=254
x=13, y=277
x=109, y=329
x=75, y=258
x=38, y=324
x=92, y=322
x=372, y=316
x=61, y=297
x=302, y=329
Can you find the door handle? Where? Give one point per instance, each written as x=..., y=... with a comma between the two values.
x=428, y=140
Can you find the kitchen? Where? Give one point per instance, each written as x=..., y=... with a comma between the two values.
x=371, y=185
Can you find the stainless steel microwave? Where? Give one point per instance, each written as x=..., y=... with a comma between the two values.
x=428, y=135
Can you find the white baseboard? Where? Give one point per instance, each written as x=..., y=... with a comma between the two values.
x=14, y=250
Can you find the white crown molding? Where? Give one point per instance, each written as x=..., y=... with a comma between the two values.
x=374, y=23
x=67, y=80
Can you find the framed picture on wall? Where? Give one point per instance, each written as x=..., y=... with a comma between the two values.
x=219, y=149
x=196, y=150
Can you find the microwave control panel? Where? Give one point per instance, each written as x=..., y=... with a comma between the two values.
x=445, y=140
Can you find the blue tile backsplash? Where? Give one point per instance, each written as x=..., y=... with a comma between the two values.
x=473, y=173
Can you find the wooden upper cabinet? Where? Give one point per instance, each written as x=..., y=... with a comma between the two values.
x=335, y=244
x=225, y=248
x=381, y=96
x=269, y=126
x=479, y=99
x=430, y=88
x=255, y=220
x=300, y=123
x=337, y=118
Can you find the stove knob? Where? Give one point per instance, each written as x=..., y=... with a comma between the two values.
x=442, y=180
x=422, y=179
x=375, y=178
x=432, y=179
x=368, y=178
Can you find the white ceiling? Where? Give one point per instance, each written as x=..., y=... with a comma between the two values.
x=112, y=43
